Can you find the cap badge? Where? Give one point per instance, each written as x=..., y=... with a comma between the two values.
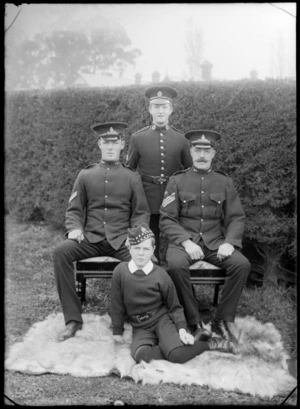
x=159, y=94
x=204, y=139
x=112, y=131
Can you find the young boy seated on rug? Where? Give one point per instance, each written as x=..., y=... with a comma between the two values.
x=144, y=294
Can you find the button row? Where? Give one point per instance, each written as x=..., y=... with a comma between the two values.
x=162, y=168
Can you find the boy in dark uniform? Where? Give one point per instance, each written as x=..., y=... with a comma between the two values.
x=107, y=198
x=158, y=151
x=203, y=218
x=143, y=293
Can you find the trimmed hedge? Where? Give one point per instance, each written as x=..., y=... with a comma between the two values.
x=48, y=141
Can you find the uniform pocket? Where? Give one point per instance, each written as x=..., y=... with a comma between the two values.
x=217, y=201
x=186, y=200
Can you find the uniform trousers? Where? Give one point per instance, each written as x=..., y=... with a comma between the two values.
x=237, y=269
x=154, y=226
x=63, y=257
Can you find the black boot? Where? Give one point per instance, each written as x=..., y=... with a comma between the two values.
x=200, y=333
x=220, y=327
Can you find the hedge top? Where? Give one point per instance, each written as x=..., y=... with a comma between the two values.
x=203, y=138
x=110, y=130
x=160, y=92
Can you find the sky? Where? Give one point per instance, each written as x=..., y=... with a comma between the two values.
x=237, y=37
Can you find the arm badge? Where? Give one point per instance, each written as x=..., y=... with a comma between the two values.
x=73, y=196
x=168, y=199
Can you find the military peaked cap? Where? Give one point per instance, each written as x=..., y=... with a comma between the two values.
x=201, y=138
x=111, y=130
x=161, y=92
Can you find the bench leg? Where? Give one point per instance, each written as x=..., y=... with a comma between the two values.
x=81, y=289
x=216, y=294
x=78, y=289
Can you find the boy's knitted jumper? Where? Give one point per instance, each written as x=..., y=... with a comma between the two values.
x=138, y=293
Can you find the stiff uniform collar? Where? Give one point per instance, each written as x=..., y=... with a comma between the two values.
x=160, y=128
x=202, y=171
x=104, y=163
x=147, y=268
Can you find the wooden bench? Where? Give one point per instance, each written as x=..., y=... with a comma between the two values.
x=102, y=267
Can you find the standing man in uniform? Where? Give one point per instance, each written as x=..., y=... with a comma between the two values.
x=157, y=151
x=107, y=199
x=203, y=218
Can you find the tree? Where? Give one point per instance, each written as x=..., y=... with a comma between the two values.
x=56, y=59
x=206, y=70
x=194, y=49
x=62, y=55
x=278, y=55
x=107, y=48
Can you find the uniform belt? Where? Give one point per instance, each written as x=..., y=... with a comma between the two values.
x=143, y=317
x=158, y=180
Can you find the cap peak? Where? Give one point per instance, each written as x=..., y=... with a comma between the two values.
x=161, y=92
x=203, y=137
x=108, y=129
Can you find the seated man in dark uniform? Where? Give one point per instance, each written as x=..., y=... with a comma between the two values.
x=203, y=218
x=107, y=199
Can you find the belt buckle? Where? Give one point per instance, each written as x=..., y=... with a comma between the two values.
x=160, y=180
x=143, y=317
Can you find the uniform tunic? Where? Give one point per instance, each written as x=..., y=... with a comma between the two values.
x=158, y=151
x=106, y=200
x=204, y=206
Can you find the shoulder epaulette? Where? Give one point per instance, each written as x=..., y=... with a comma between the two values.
x=222, y=173
x=141, y=130
x=127, y=166
x=91, y=165
x=177, y=130
x=181, y=171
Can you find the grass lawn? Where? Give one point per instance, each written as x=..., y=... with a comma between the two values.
x=30, y=296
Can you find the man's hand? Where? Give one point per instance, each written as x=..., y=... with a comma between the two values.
x=225, y=250
x=193, y=250
x=118, y=339
x=76, y=235
x=185, y=337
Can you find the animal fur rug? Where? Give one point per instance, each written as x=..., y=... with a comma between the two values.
x=259, y=369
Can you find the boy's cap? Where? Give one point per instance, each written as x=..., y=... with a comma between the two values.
x=138, y=234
